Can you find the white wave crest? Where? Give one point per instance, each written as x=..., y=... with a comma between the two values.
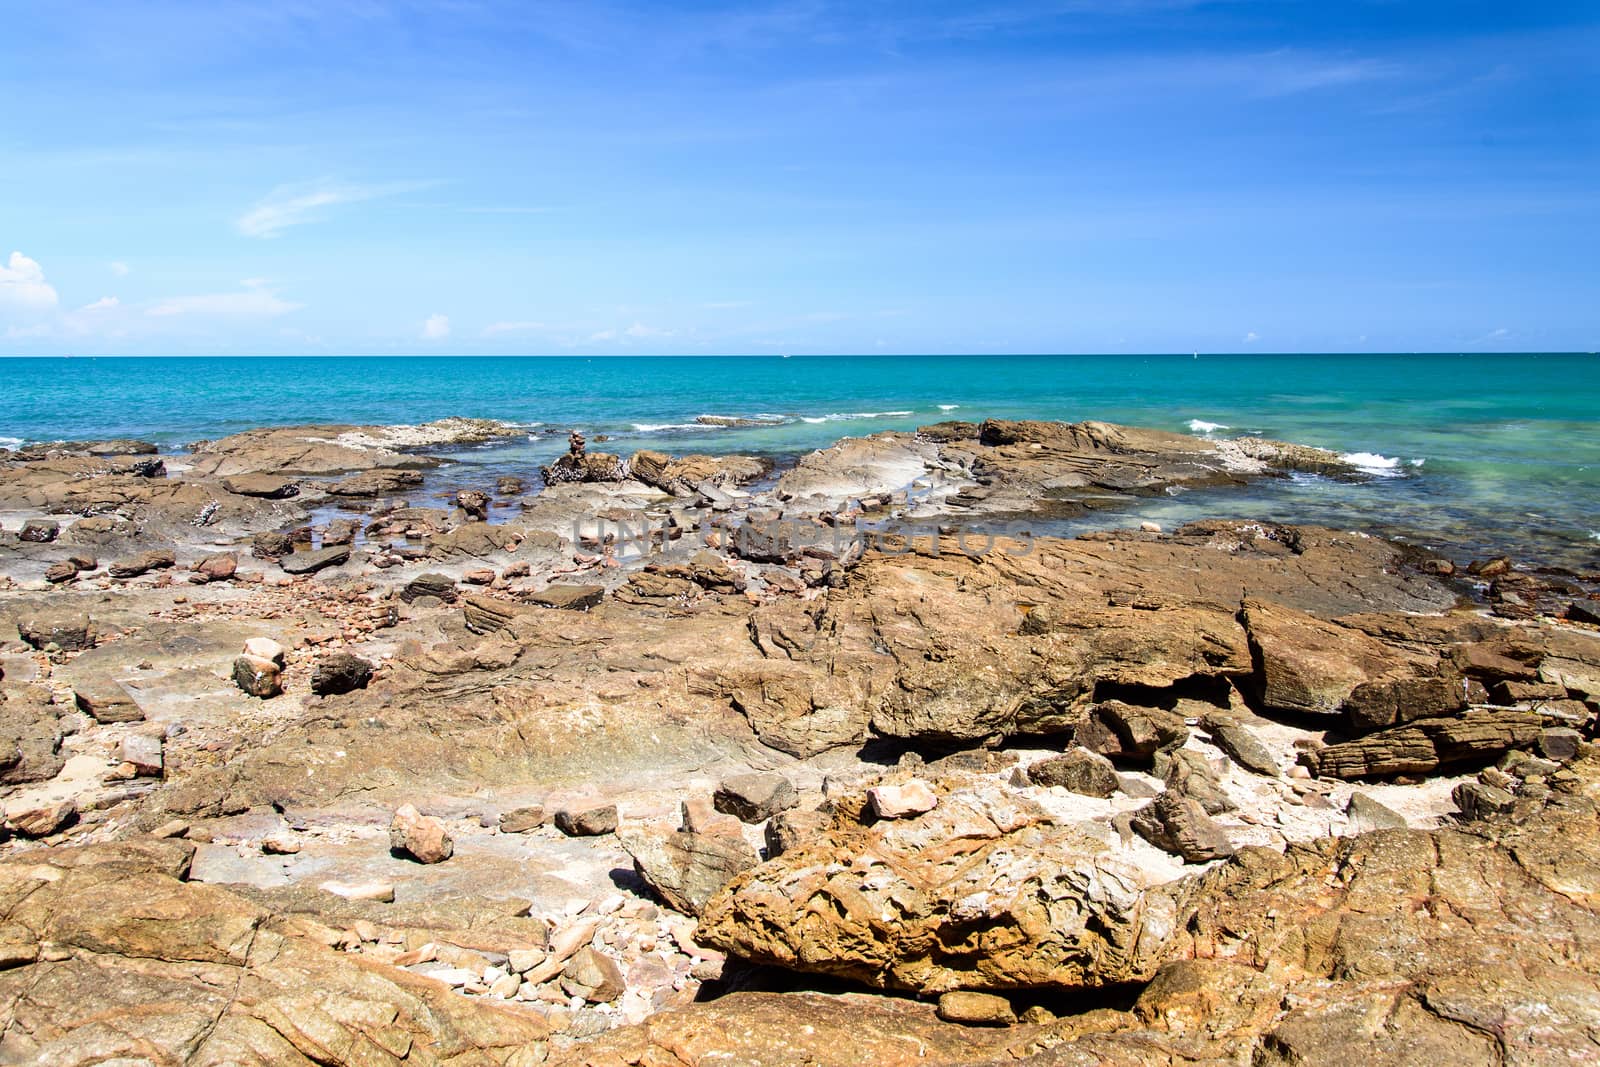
x=10, y=442
x=1202, y=426
x=948, y=407
x=1371, y=462
x=869, y=414
x=658, y=427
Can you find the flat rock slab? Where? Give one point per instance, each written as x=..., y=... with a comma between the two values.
x=310, y=562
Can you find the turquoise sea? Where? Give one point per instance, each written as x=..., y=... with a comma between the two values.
x=1469, y=453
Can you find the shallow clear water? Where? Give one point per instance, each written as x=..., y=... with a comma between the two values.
x=1471, y=452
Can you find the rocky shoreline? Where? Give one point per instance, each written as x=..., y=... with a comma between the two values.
x=684, y=759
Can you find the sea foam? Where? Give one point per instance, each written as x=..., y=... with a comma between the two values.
x=1202, y=426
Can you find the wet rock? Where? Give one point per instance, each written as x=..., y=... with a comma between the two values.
x=587, y=822
x=381, y=482
x=475, y=503
x=340, y=673
x=257, y=677
x=755, y=797
x=1367, y=814
x=311, y=562
x=1180, y=825
x=69, y=632
x=686, y=869
x=40, y=531
x=1079, y=771
x=594, y=976
x=585, y=467
x=905, y=801
x=976, y=1009
x=420, y=837
x=271, y=545
x=509, y=485
x=264, y=486
x=143, y=563
x=1245, y=748
x=340, y=532
x=40, y=818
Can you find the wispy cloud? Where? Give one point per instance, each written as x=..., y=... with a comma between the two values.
x=637, y=332
x=298, y=204
x=23, y=285
x=120, y=269
x=253, y=300
x=436, y=327
x=496, y=329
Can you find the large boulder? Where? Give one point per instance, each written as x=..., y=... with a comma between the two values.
x=687, y=869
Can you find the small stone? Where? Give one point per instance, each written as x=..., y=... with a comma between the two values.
x=523, y=960
x=505, y=987
x=280, y=845
x=976, y=1009
x=701, y=817
x=257, y=677
x=1150, y=527
x=40, y=531
x=421, y=837
x=1367, y=814
x=902, y=801
x=1477, y=800
x=175, y=828
x=1080, y=771
x=217, y=568
x=587, y=822
x=522, y=820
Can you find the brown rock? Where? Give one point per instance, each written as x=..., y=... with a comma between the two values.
x=420, y=837
x=687, y=869
x=40, y=818
x=587, y=822
x=257, y=677
x=1079, y=771
x=976, y=1009
x=156, y=559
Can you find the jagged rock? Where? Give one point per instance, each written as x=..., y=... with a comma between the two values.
x=509, y=485
x=904, y=801
x=593, y=976
x=486, y=615
x=1367, y=814
x=40, y=818
x=585, y=467
x=1130, y=733
x=40, y=531
x=792, y=829
x=340, y=673
x=699, y=815
x=155, y=559
x=340, y=532
x=684, y=476
x=755, y=797
x=1179, y=824
x=435, y=585
x=264, y=486
x=1427, y=745
x=421, y=837
x=1246, y=749
x=1478, y=800
x=380, y=482
x=976, y=1009
x=30, y=742
x=475, y=503
x=69, y=632
x=686, y=869
x=1189, y=774
x=1079, y=770
x=587, y=822
x=257, y=677
x=311, y=562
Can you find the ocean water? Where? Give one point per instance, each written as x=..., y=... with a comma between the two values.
x=1470, y=454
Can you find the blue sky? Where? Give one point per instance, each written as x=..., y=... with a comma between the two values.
x=1071, y=176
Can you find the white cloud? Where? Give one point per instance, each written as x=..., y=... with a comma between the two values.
x=105, y=303
x=637, y=332
x=1252, y=337
x=296, y=205
x=22, y=285
x=254, y=300
x=120, y=269
x=495, y=329
x=725, y=305
x=436, y=327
